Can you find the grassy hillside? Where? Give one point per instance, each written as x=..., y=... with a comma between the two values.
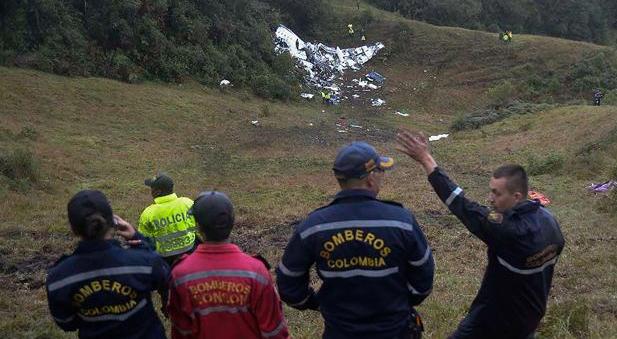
x=75, y=133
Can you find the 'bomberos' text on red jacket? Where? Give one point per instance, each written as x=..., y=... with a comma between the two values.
x=221, y=292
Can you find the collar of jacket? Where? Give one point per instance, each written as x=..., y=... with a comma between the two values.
x=355, y=193
x=87, y=246
x=525, y=207
x=165, y=198
x=218, y=248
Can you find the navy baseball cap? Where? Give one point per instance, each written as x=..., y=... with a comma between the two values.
x=357, y=160
x=213, y=209
x=161, y=181
x=86, y=203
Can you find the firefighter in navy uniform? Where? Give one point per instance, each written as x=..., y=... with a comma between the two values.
x=372, y=257
x=103, y=290
x=523, y=238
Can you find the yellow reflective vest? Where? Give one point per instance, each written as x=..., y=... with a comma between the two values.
x=168, y=223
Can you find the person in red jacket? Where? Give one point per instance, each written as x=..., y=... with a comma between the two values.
x=219, y=291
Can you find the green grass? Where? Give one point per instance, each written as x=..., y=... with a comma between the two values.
x=101, y=134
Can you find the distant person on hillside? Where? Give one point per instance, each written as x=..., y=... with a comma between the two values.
x=371, y=255
x=218, y=291
x=166, y=222
x=524, y=241
x=350, y=30
x=101, y=289
x=505, y=36
x=597, y=97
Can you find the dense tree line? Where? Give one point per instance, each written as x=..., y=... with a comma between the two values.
x=170, y=40
x=590, y=20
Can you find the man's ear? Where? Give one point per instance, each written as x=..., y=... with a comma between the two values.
x=520, y=196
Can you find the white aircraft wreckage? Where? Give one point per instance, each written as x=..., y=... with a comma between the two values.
x=323, y=64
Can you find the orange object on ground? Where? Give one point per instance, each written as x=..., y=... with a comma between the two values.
x=533, y=195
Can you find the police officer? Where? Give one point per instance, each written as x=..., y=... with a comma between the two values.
x=524, y=241
x=219, y=291
x=371, y=255
x=166, y=222
x=103, y=290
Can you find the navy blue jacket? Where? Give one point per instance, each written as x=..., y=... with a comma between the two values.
x=374, y=262
x=103, y=290
x=523, y=246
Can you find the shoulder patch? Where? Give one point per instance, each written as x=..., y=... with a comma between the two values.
x=390, y=202
x=495, y=217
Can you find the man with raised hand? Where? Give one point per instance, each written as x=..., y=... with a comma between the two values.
x=371, y=255
x=524, y=241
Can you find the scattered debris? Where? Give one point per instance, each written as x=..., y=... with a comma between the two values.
x=255, y=122
x=225, y=83
x=602, y=187
x=402, y=114
x=377, y=102
x=355, y=126
x=437, y=137
x=371, y=86
x=323, y=64
x=376, y=77
x=533, y=195
x=341, y=125
x=307, y=96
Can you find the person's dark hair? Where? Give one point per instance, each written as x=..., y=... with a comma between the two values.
x=90, y=214
x=95, y=227
x=216, y=233
x=516, y=178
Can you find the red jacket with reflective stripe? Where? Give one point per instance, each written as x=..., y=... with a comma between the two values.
x=220, y=292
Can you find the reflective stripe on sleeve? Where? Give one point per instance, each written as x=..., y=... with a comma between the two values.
x=302, y=302
x=119, y=317
x=218, y=309
x=423, y=260
x=221, y=273
x=416, y=292
x=274, y=332
x=290, y=273
x=180, y=330
x=65, y=320
x=355, y=223
x=527, y=271
x=453, y=195
x=359, y=273
x=104, y=272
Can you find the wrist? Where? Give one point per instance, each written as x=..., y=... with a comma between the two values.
x=428, y=163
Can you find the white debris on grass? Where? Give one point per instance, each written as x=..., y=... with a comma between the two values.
x=255, y=122
x=437, y=137
x=355, y=126
x=307, y=95
x=371, y=86
x=377, y=102
x=224, y=82
x=402, y=114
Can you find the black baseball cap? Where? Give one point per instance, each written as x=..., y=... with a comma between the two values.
x=86, y=203
x=358, y=159
x=213, y=210
x=161, y=181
